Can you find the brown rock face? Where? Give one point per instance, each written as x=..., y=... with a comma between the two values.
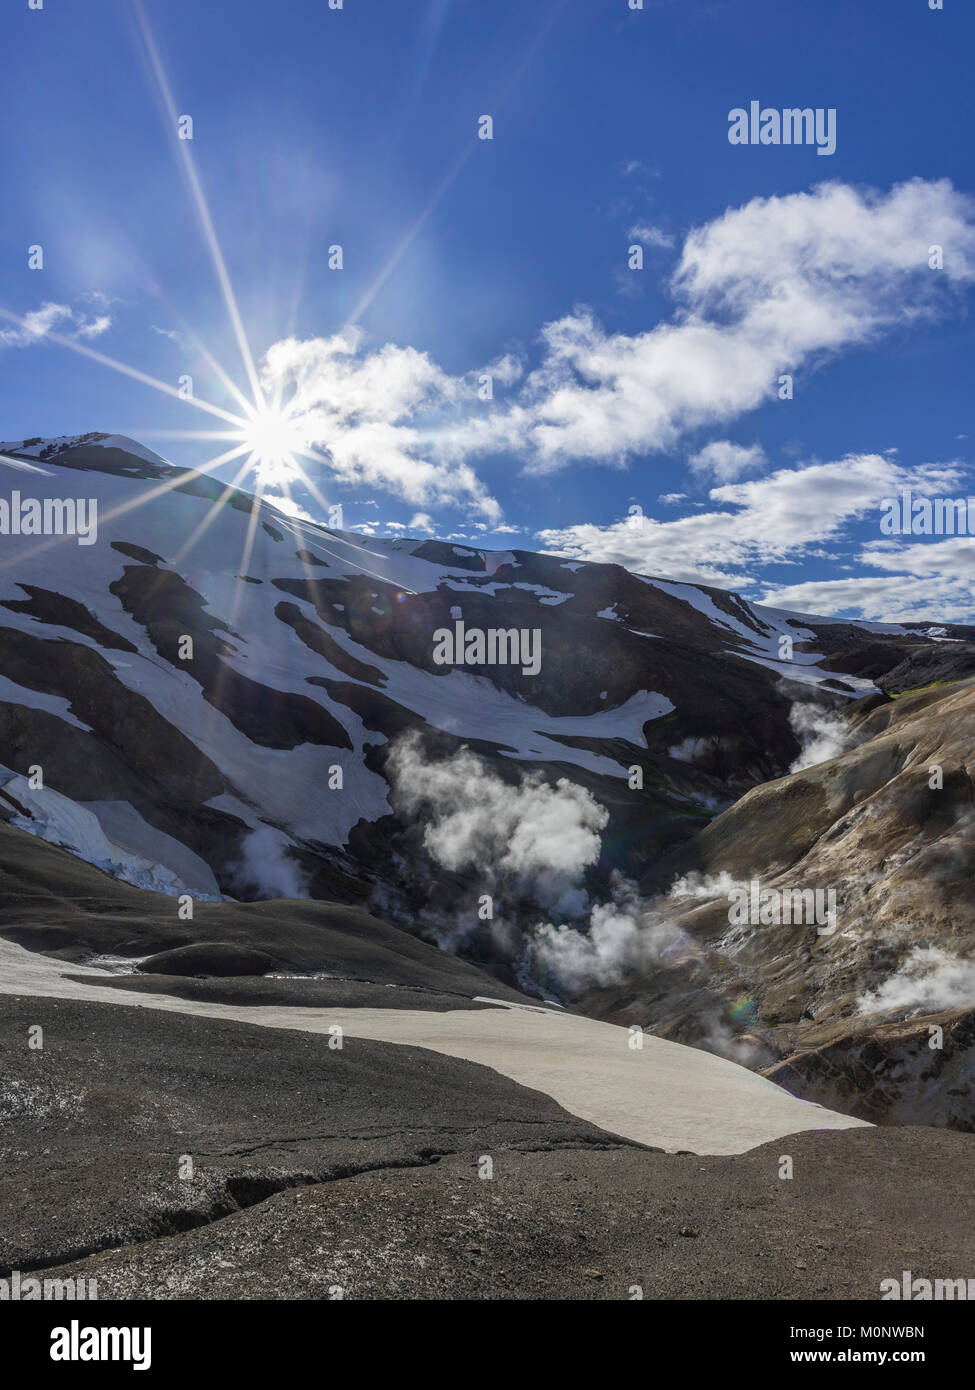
x=919, y=1071
x=844, y=1017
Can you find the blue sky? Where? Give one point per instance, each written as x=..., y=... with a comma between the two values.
x=613, y=388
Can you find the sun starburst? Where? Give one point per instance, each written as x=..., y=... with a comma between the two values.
x=268, y=436
x=274, y=437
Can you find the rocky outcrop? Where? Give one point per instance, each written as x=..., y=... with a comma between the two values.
x=213, y=958
x=840, y=1016
x=913, y=1071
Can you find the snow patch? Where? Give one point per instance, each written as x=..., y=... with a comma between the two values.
x=14, y=694
x=69, y=825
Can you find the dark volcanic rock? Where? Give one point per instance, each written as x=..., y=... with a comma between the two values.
x=101, y=1126
x=563, y=1216
x=934, y=665
x=170, y=610
x=318, y=640
x=60, y=611
x=309, y=992
x=137, y=552
x=913, y=1071
x=56, y=903
x=209, y=958
x=129, y=742
x=458, y=557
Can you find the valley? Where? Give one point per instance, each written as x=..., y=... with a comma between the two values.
x=253, y=817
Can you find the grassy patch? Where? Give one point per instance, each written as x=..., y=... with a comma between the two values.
x=917, y=689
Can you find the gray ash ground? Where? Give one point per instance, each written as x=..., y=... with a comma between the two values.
x=321, y=1172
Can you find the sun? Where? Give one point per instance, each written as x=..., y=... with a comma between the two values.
x=263, y=438
x=273, y=437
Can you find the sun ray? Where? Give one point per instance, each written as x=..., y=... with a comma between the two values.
x=410, y=235
x=245, y=557
x=319, y=548
x=512, y=80
x=222, y=375
x=268, y=432
x=173, y=484
x=169, y=485
x=202, y=207
x=211, y=516
x=126, y=370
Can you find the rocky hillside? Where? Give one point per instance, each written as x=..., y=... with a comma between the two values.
x=194, y=676
x=215, y=700
x=877, y=1016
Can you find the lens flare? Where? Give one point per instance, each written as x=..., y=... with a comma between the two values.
x=273, y=437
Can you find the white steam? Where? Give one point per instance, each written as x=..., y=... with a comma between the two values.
x=822, y=735
x=929, y=980
x=535, y=838
x=624, y=937
x=266, y=869
x=704, y=886
x=530, y=844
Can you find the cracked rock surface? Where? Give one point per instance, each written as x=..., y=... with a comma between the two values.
x=360, y=1173
x=96, y=1128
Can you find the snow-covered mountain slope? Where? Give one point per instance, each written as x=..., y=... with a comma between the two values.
x=82, y=830
x=236, y=678
x=207, y=698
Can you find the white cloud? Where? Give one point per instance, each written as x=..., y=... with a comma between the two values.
x=636, y=166
x=105, y=301
x=726, y=462
x=170, y=333
x=506, y=370
x=761, y=291
x=953, y=555
x=93, y=328
x=765, y=289
x=36, y=325
x=776, y=519
x=899, y=599
x=651, y=236
x=360, y=408
x=920, y=582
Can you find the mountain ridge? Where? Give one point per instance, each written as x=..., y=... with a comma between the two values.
x=227, y=701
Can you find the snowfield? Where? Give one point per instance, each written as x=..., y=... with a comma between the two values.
x=660, y=1094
